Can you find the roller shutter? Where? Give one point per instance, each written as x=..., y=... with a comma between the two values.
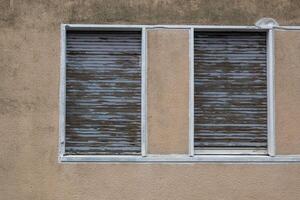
x=230, y=90
x=103, y=93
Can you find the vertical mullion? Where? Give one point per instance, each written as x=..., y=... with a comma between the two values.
x=62, y=94
x=271, y=93
x=144, y=93
x=191, y=91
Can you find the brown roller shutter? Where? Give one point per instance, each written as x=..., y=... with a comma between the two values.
x=103, y=92
x=230, y=90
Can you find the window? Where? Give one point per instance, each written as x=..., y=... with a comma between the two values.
x=102, y=92
x=230, y=92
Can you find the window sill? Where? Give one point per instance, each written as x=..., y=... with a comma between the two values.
x=184, y=159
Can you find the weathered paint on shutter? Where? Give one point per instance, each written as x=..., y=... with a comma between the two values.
x=103, y=93
x=230, y=90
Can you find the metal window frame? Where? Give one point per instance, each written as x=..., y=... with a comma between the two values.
x=62, y=97
x=270, y=98
x=271, y=158
x=185, y=159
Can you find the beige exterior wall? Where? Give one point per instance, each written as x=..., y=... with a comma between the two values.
x=29, y=74
x=168, y=86
x=287, y=92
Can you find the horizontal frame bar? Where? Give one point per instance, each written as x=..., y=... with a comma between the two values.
x=184, y=159
x=135, y=27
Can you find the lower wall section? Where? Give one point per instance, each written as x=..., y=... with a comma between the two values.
x=150, y=181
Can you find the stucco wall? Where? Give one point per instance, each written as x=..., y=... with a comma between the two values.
x=168, y=86
x=287, y=92
x=29, y=74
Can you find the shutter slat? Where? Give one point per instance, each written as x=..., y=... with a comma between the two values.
x=103, y=93
x=230, y=90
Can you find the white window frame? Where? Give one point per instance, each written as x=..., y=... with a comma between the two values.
x=62, y=138
x=174, y=158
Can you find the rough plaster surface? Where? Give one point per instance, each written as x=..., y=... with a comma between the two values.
x=28, y=12
x=29, y=74
x=287, y=92
x=168, y=86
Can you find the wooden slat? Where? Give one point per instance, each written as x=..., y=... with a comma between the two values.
x=103, y=93
x=230, y=90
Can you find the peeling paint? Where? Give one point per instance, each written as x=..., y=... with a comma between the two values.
x=230, y=90
x=103, y=92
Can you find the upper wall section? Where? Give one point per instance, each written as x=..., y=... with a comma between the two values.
x=47, y=14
